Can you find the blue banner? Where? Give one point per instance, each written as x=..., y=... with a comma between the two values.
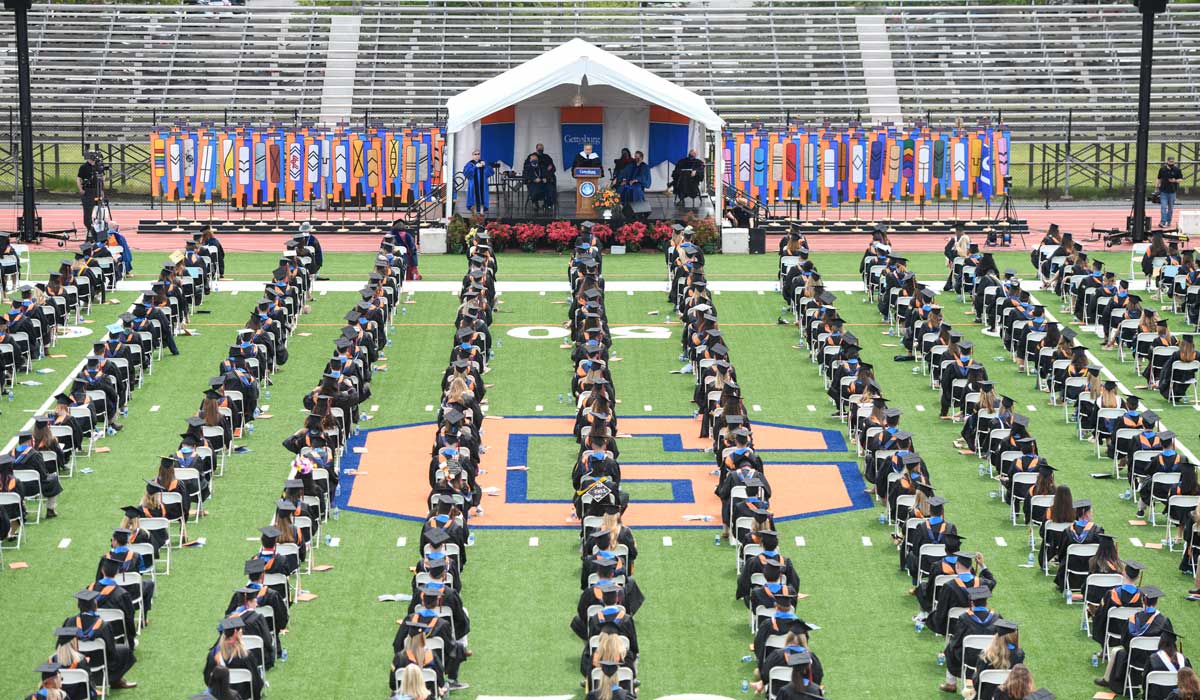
x=574, y=136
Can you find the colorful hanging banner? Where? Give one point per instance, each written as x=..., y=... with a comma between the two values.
x=834, y=167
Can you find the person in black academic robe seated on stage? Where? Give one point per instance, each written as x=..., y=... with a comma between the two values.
x=687, y=176
x=477, y=173
x=632, y=180
x=586, y=158
x=538, y=181
x=547, y=165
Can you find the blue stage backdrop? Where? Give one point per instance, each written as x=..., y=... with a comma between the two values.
x=581, y=125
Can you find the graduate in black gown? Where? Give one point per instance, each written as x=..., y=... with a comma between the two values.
x=120, y=657
x=1147, y=622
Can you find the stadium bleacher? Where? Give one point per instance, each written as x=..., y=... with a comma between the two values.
x=128, y=65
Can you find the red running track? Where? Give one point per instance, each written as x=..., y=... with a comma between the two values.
x=1076, y=220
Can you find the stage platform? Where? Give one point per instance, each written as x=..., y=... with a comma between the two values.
x=512, y=206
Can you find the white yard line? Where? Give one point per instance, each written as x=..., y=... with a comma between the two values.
x=541, y=286
x=63, y=386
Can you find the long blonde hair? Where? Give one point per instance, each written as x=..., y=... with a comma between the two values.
x=605, y=690
x=610, y=648
x=231, y=647
x=997, y=653
x=414, y=644
x=67, y=654
x=455, y=391
x=611, y=523
x=412, y=683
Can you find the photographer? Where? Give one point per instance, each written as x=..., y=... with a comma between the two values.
x=1169, y=177
x=88, y=180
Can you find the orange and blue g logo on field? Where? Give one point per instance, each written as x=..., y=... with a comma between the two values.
x=663, y=466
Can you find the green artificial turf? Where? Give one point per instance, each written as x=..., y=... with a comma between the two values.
x=521, y=598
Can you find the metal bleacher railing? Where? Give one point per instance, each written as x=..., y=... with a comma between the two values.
x=105, y=74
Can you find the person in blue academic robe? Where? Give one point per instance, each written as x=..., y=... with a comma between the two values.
x=477, y=174
x=633, y=180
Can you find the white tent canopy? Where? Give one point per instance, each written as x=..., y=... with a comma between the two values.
x=540, y=86
x=570, y=64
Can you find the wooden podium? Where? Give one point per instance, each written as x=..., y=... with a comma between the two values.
x=586, y=187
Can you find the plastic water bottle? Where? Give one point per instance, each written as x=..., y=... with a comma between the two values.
x=919, y=626
x=941, y=658
x=1030, y=560
x=336, y=512
x=560, y=398
x=1067, y=596
x=283, y=654
x=716, y=540
x=499, y=343
x=266, y=393
x=10, y=396
x=916, y=370
x=1095, y=660
x=250, y=427
x=745, y=685
x=403, y=311
x=981, y=469
x=883, y=518
x=747, y=658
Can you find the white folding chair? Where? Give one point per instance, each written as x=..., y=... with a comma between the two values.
x=1094, y=588
x=1164, y=681
x=1077, y=561
x=993, y=677
x=972, y=644
x=242, y=681
x=172, y=498
x=1178, y=504
x=11, y=501
x=1141, y=648
x=31, y=476
x=164, y=526
x=255, y=643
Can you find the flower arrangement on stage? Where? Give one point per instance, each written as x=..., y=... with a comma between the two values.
x=630, y=235
x=528, y=236
x=561, y=234
x=602, y=232
x=608, y=198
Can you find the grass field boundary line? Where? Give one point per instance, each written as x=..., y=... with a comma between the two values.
x=63, y=385
x=451, y=286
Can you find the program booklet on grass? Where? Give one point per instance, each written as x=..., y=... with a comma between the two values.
x=395, y=598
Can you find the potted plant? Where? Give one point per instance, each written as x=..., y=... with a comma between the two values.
x=661, y=234
x=561, y=234
x=704, y=231
x=502, y=235
x=529, y=236
x=630, y=235
x=606, y=200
